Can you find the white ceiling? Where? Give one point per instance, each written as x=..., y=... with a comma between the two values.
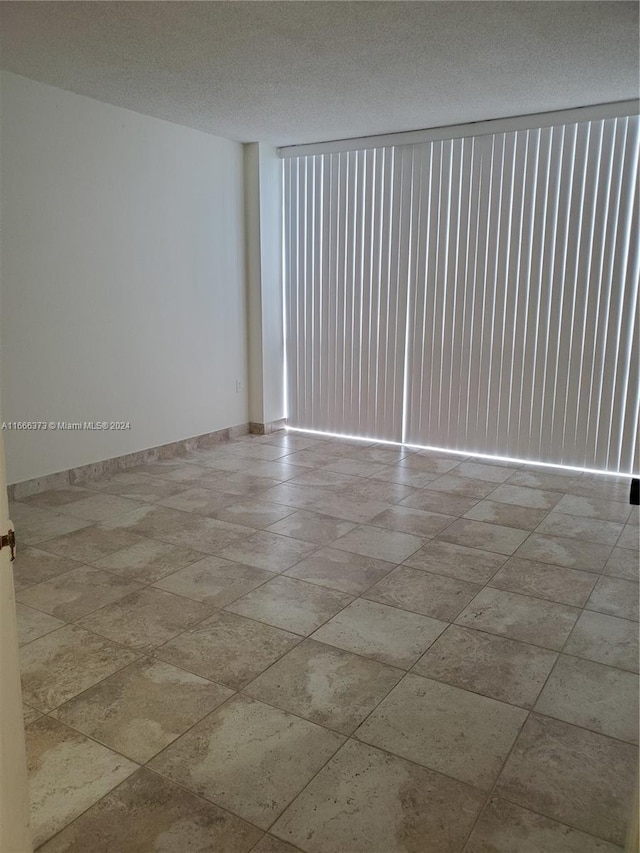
x=295, y=72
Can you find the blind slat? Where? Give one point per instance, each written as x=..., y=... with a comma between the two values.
x=478, y=294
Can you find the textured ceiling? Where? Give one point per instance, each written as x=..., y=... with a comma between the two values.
x=294, y=72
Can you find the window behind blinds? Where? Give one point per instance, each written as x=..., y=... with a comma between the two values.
x=477, y=294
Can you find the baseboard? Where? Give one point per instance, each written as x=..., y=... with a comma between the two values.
x=266, y=429
x=107, y=467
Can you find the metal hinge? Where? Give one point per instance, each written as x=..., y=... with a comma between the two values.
x=9, y=541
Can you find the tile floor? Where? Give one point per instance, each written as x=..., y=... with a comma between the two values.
x=293, y=643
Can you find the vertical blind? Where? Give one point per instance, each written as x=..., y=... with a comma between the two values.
x=478, y=293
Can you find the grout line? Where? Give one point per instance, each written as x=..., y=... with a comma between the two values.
x=150, y=653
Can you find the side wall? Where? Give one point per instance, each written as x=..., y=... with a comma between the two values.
x=263, y=230
x=122, y=278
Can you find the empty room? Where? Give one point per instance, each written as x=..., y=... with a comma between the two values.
x=320, y=399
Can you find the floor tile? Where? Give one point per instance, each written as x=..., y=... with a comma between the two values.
x=629, y=538
x=572, y=775
x=374, y=490
x=562, y=551
x=432, y=463
x=355, y=467
x=382, y=544
x=623, y=564
x=340, y=570
x=30, y=715
x=484, y=471
x=140, y=487
x=33, y=566
x=249, y=758
x=67, y=774
x=187, y=529
x=404, y=476
x=312, y=527
x=292, y=441
x=531, y=498
x=214, y=581
x=237, y=483
x=603, y=509
x=326, y=685
x=601, y=486
x=593, y=696
x=271, y=844
x=520, y=617
x=297, y=497
x=449, y=730
x=458, y=485
x=552, y=480
x=458, y=561
x=416, y=521
x=233, y=472
x=542, y=580
x=291, y=604
x=505, y=828
x=278, y=469
x=506, y=670
x=634, y=516
x=54, y=498
x=382, y=633
x=252, y=512
x=99, y=507
x=62, y=664
x=585, y=529
x=421, y=592
x=268, y=551
x=33, y=623
x=90, y=543
x=439, y=502
x=143, y=708
x=206, y=534
x=508, y=515
x=383, y=455
x=366, y=801
x=170, y=469
x=616, y=597
x=35, y=525
x=488, y=537
x=315, y=457
x=266, y=452
x=214, y=529
x=228, y=648
x=497, y=462
x=145, y=619
x=220, y=461
x=371, y=489
x=201, y=501
x=76, y=593
x=148, y=560
x=147, y=813
x=605, y=639
x=350, y=506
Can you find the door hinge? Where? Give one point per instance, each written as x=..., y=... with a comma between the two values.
x=8, y=540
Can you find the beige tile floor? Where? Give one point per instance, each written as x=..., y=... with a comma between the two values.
x=294, y=643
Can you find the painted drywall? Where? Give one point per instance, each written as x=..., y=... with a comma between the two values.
x=122, y=278
x=254, y=279
x=263, y=231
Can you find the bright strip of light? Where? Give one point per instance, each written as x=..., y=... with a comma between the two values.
x=464, y=453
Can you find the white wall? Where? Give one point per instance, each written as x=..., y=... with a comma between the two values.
x=122, y=278
x=263, y=229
